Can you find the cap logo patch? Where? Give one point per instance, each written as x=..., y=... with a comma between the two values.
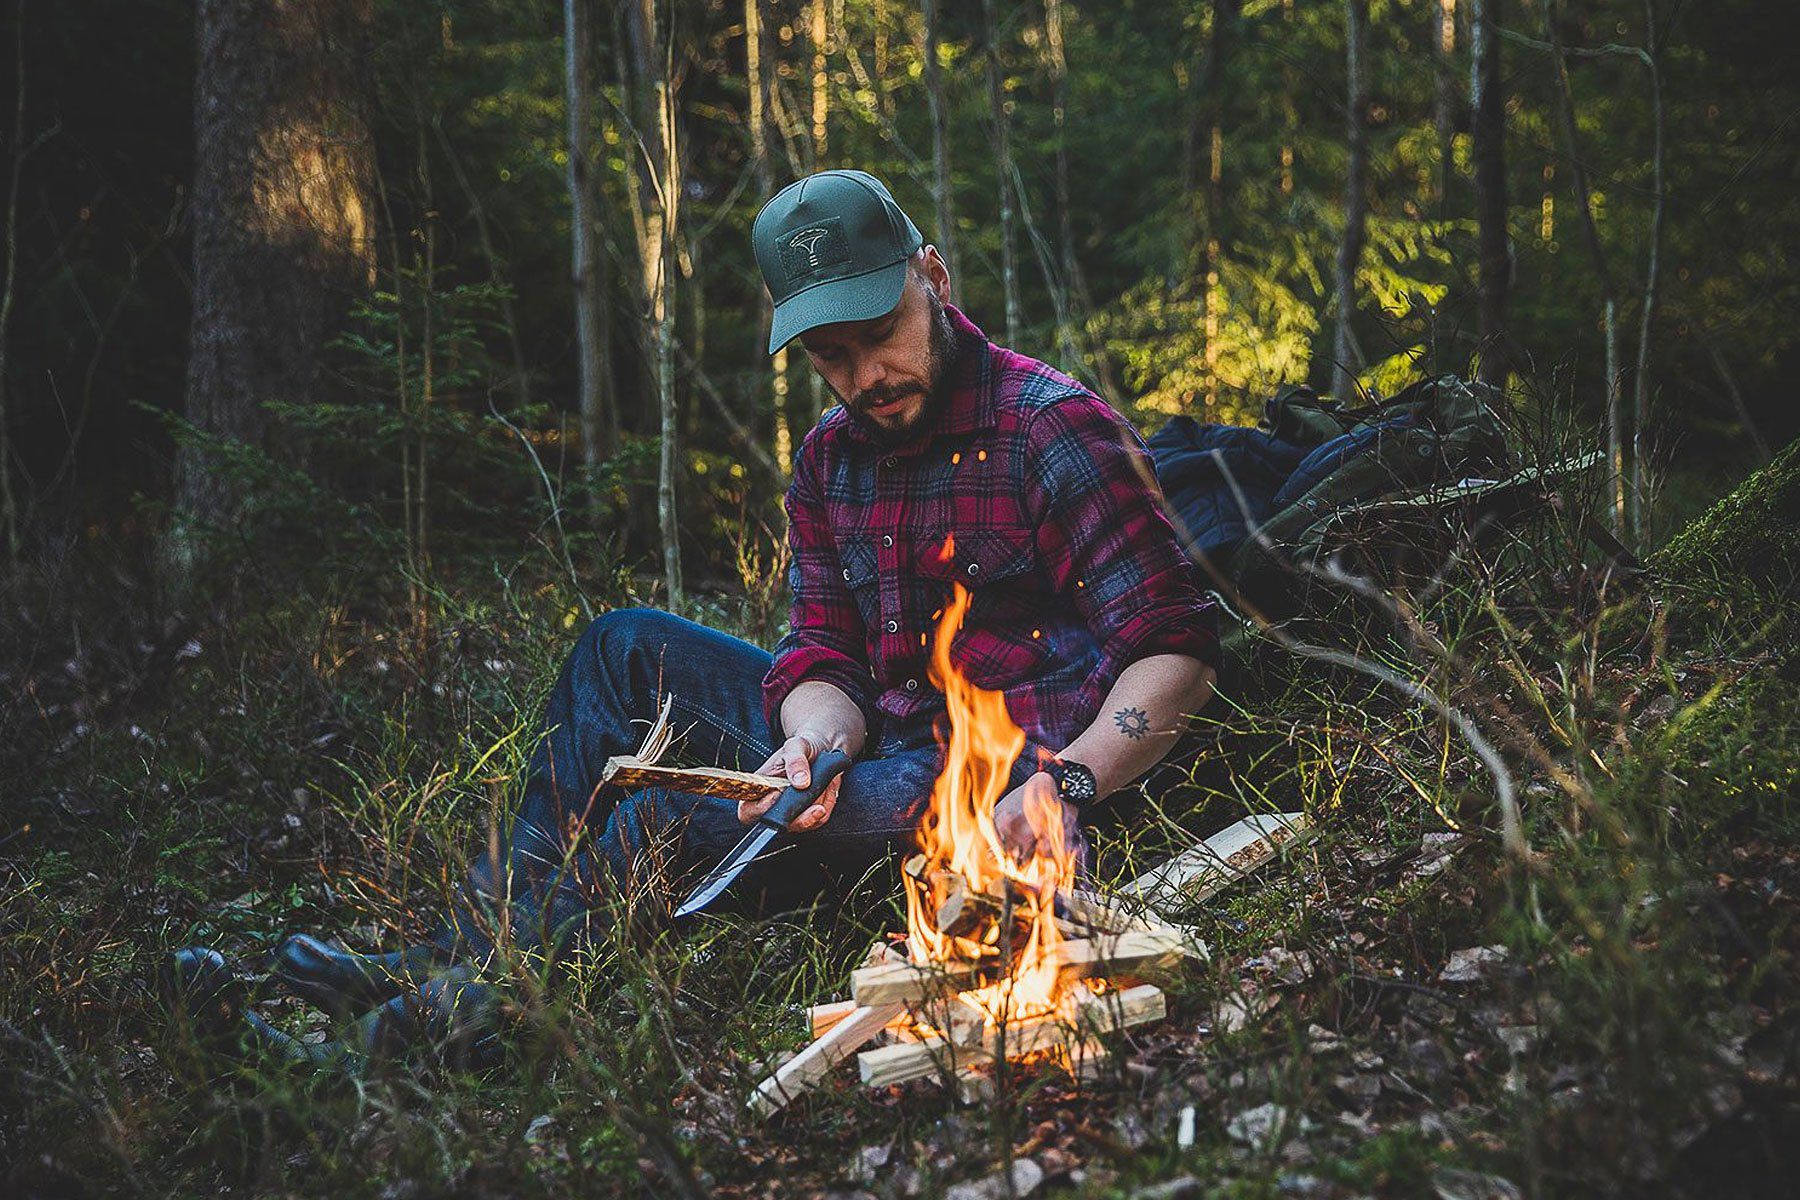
x=810, y=249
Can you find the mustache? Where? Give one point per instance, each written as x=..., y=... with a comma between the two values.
x=870, y=397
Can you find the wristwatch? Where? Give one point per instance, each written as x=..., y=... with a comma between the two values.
x=1074, y=782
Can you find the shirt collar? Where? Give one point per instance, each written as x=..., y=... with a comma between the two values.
x=972, y=404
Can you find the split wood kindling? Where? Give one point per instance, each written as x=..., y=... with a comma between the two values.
x=924, y=1028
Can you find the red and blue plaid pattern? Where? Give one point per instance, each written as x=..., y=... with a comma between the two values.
x=1059, y=534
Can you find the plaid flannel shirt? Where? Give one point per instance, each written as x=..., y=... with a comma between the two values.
x=1059, y=535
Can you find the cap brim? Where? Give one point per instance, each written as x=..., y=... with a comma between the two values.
x=858, y=298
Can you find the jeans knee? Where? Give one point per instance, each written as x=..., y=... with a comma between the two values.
x=619, y=632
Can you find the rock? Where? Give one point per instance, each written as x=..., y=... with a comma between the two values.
x=1428, y=1061
x=1027, y=1177
x=1454, y=1183
x=867, y=1163
x=1131, y=1131
x=1518, y=1039
x=1259, y=1126
x=1179, y=1188
x=1472, y=965
x=1361, y=1090
x=1283, y=967
x=539, y=1129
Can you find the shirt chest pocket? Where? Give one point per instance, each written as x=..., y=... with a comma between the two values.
x=862, y=576
x=994, y=563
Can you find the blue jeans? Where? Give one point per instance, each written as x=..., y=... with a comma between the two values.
x=574, y=844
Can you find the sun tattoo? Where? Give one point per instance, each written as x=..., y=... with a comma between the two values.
x=1134, y=723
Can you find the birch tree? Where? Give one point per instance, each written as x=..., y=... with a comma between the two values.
x=657, y=208
x=942, y=191
x=599, y=422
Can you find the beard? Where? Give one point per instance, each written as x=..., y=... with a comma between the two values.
x=941, y=355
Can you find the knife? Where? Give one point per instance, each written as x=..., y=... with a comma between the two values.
x=793, y=802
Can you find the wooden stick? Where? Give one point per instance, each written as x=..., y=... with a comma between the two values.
x=1121, y=954
x=630, y=772
x=1196, y=875
x=823, y=1016
x=811, y=1065
x=644, y=768
x=1099, y=914
x=1099, y=1014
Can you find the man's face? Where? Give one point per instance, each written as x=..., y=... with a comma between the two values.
x=889, y=372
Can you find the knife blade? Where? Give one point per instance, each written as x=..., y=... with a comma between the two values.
x=792, y=802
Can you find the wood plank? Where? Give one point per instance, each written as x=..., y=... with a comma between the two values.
x=823, y=1016
x=1100, y=914
x=813, y=1063
x=1196, y=875
x=1111, y=954
x=1100, y=1014
x=630, y=772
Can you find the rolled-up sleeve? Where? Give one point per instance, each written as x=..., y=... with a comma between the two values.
x=1104, y=540
x=826, y=640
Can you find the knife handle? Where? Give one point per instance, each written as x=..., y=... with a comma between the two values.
x=794, y=801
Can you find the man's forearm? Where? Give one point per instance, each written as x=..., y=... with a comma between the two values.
x=822, y=714
x=1144, y=713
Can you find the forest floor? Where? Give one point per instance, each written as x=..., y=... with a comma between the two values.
x=1405, y=1007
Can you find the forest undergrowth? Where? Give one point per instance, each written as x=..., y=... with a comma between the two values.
x=1412, y=1004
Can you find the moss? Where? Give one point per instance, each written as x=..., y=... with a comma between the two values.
x=1750, y=540
x=1736, y=753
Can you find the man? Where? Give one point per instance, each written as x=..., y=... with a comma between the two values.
x=1086, y=614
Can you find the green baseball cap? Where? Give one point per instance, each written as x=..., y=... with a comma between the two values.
x=832, y=247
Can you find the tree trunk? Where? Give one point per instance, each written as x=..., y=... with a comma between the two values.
x=599, y=429
x=9, y=506
x=764, y=168
x=1065, y=220
x=942, y=186
x=1443, y=110
x=1488, y=108
x=819, y=32
x=1003, y=168
x=1584, y=197
x=281, y=224
x=1640, y=384
x=659, y=209
x=1356, y=24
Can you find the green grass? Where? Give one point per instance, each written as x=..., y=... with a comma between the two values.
x=319, y=761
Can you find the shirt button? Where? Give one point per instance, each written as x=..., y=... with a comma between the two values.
x=846, y=574
x=974, y=568
x=893, y=627
x=912, y=685
x=887, y=539
x=887, y=462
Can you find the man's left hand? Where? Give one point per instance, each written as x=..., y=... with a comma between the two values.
x=1031, y=816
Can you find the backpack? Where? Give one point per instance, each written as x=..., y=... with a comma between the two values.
x=1256, y=504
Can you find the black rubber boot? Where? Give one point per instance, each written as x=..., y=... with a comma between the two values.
x=201, y=993
x=342, y=982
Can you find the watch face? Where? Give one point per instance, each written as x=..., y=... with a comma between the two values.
x=1077, y=784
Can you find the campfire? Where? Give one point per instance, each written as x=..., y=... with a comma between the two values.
x=1003, y=960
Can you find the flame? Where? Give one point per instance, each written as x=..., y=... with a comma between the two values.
x=958, y=835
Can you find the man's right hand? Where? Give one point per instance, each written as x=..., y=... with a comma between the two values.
x=794, y=760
